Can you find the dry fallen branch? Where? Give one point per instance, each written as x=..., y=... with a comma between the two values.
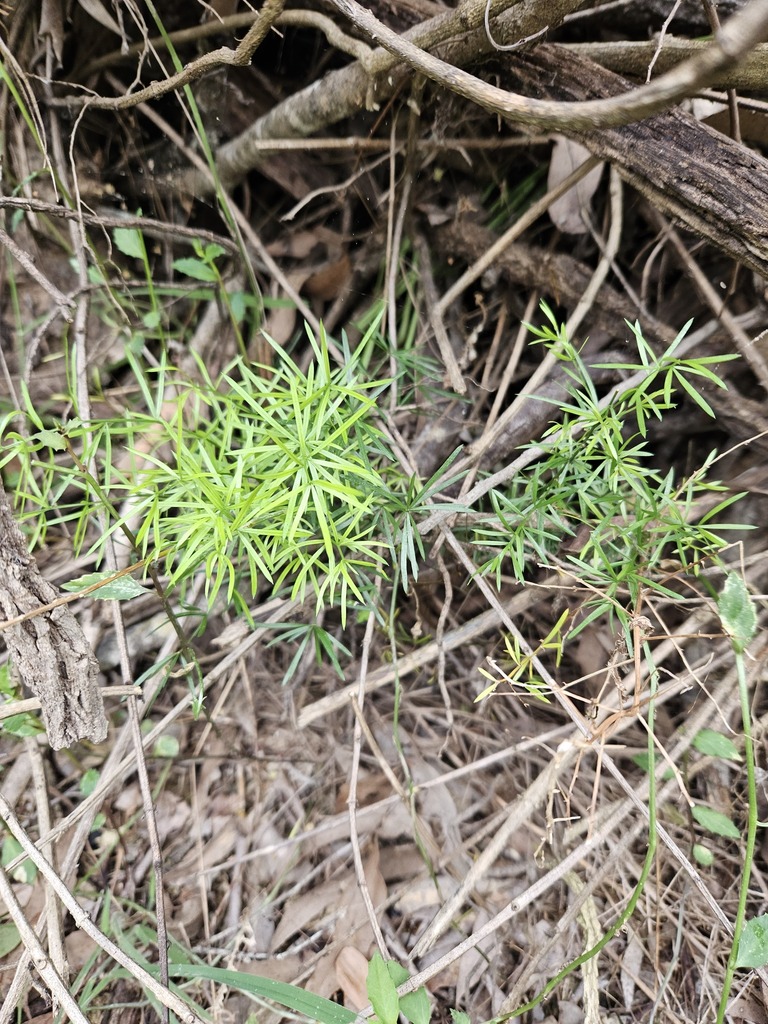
x=691, y=172
x=57, y=986
x=223, y=57
x=734, y=41
x=346, y=91
x=633, y=58
x=195, y=33
x=49, y=651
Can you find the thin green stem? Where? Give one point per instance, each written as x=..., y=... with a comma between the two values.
x=749, y=850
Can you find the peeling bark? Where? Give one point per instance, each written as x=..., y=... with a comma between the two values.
x=714, y=186
x=49, y=651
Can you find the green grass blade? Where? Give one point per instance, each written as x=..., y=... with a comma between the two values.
x=294, y=998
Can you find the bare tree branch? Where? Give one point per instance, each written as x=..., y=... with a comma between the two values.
x=365, y=85
x=734, y=41
x=223, y=57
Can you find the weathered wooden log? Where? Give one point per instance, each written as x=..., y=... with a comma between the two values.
x=712, y=185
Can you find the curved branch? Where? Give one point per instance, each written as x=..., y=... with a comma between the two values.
x=223, y=57
x=734, y=41
x=345, y=91
x=633, y=58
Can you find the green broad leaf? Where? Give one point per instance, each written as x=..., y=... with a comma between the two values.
x=212, y=251
x=7, y=686
x=753, y=944
x=11, y=850
x=152, y=319
x=196, y=269
x=716, y=744
x=382, y=991
x=9, y=938
x=26, y=871
x=22, y=725
x=89, y=781
x=50, y=439
x=290, y=996
x=129, y=242
x=241, y=302
x=122, y=589
x=397, y=973
x=166, y=746
x=737, y=612
x=715, y=822
x=643, y=761
x=459, y=1017
x=416, y=1006
x=703, y=855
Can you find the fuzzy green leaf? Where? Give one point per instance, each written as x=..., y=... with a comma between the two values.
x=715, y=744
x=130, y=242
x=50, y=439
x=166, y=746
x=22, y=725
x=703, y=855
x=382, y=991
x=737, y=612
x=9, y=938
x=89, y=781
x=716, y=822
x=196, y=269
x=753, y=944
x=26, y=871
x=416, y=1006
x=124, y=588
x=459, y=1017
x=398, y=974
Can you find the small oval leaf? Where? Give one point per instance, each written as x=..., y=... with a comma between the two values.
x=166, y=746
x=121, y=589
x=703, y=855
x=737, y=612
x=753, y=944
x=9, y=938
x=715, y=822
x=716, y=744
x=382, y=991
x=416, y=1006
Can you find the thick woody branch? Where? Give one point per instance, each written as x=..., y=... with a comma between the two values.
x=734, y=41
x=366, y=84
x=714, y=186
x=633, y=58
